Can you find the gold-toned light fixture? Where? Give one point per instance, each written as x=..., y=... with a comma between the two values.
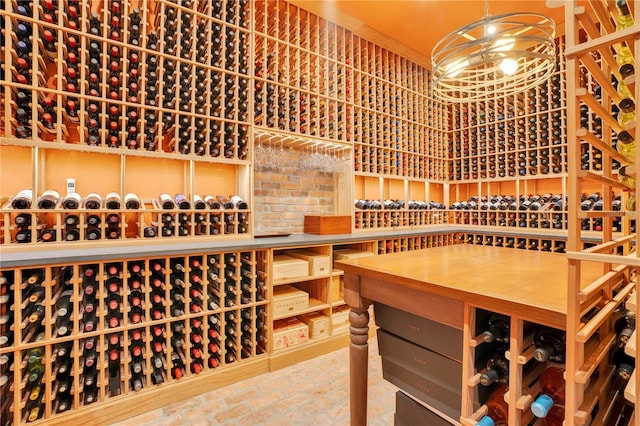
x=494, y=57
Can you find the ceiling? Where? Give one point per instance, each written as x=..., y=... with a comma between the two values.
x=419, y=24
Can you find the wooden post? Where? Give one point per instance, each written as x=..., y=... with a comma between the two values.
x=358, y=349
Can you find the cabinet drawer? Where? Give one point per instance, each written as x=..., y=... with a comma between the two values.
x=410, y=412
x=440, y=338
x=428, y=376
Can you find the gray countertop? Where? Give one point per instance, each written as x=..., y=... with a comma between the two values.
x=72, y=252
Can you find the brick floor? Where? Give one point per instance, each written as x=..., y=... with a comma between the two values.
x=313, y=392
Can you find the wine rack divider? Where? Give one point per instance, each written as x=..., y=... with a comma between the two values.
x=593, y=56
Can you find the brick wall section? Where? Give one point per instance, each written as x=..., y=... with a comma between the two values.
x=283, y=196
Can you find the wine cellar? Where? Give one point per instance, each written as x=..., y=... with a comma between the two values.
x=159, y=160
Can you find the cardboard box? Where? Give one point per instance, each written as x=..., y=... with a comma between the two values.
x=350, y=254
x=286, y=267
x=289, y=332
x=318, y=324
x=336, y=289
x=289, y=300
x=326, y=225
x=319, y=264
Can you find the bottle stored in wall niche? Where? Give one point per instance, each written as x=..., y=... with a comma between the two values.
x=131, y=201
x=72, y=200
x=497, y=369
x=48, y=199
x=238, y=202
x=626, y=97
x=625, y=325
x=22, y=200
x=166, y=202
x=112, y=201
x=497, y=408
x=625, y=179
x=224, y=202
x=624, y=56
x=550, y=345
x=549, y=405
x=212, y=202
x=199, y=203
x=182, y=202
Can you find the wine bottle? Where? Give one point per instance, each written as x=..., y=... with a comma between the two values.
x=550, y=403
x=182, y=202
x=48, y=199
x=625, y=325
x=497, y=408
x=131, y=201
x=625, y=61
x=498, y=329
x=72, y=200
x=22, y=200
x=625, y=179
x=48, y=235
x=212, y=202
x=550, y=345
x=497, y=369
x=224, y=202
x=113, y=201
x=238, y=202
x=624, y=56
x=166, y=202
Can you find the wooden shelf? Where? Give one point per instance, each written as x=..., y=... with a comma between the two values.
x=314, y=305
x=299, y=279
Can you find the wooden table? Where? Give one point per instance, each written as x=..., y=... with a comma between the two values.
x=436, y=283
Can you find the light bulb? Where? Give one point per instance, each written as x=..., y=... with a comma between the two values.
x=489, y=30
x=509, y=66
x=504, y=44
x=455, y=68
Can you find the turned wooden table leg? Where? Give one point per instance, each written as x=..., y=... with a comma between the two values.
x=358, y=349
x=358, y=364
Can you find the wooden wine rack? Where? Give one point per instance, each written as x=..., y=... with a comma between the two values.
x=517, y=136
x=150, y=221
x=145, y=78
x=332, y=84
x=222, y=297
x=416, y=243
x=160, y=109
x=592, y=45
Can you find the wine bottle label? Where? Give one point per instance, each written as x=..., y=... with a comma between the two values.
x=131, y=201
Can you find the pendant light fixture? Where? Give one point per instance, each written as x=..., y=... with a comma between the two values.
x=494, y=57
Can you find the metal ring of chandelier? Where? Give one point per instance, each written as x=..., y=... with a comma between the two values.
x=494, y=57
